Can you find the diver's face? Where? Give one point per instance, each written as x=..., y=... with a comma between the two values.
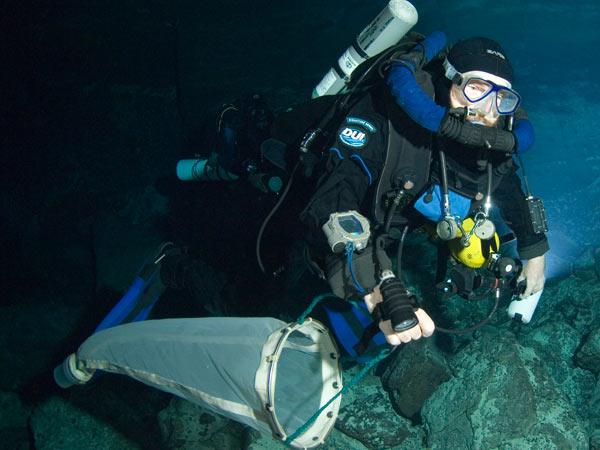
x=486, y=110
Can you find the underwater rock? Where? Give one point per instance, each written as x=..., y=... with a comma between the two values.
x=374, y=423
x=13, y=422
x=501, y=397
x=595, y=440
x=567, y=313
x=338, y=440
x=367, y=416
x=414, y=373
x=595, y=419
x=556, y=342
x=588, y=355
x=184, y=426
x=58, y=425
x=571, y=300
x=32, y=334
x=13, y=413
x=587, y=265
x=255, y=440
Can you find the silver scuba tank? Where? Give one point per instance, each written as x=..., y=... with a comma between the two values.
x=390, y=25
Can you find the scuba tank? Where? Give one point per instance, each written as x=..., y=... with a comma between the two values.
x=390, y=25
x=201, y=169
x=235, y=150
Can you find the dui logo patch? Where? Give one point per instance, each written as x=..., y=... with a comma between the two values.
x=353, y=137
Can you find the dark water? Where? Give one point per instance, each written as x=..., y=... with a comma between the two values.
x=99, y=100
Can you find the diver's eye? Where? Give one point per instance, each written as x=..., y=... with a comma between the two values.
x=474, y=89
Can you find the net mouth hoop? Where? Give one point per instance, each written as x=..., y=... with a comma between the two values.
x=266, y=380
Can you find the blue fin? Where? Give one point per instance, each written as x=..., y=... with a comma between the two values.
x=139, y=299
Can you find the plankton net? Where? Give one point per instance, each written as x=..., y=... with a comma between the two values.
x=262, y=372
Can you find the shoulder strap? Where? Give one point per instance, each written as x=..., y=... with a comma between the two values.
x=407, y=160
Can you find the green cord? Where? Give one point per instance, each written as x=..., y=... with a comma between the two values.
x=359, y=306
x=314, y=303
x=382, y=355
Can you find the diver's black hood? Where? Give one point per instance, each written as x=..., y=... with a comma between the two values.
x=481, y=53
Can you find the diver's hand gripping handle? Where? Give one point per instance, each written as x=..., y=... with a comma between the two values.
x=398, y=305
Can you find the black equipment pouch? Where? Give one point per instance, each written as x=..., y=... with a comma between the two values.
x=537, y=213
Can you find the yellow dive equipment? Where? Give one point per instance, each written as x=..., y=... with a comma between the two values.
x=478, y=252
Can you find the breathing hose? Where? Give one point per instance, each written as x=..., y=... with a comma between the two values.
x=399, y=275
x=268, y=218
x=474, y=327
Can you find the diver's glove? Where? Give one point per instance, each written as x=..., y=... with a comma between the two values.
x=398, y=313
x=474, y=135
x=415, y=60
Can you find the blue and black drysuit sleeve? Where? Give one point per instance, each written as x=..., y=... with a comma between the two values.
x=512, y=203
x=355, y=165
x=355, y=162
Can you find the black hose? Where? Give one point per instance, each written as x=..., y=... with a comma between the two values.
x=388, y=220
x=444, y=174
x=474, y=327
x=380, y=253
x=399, y=252
x=489, y=180
x=266, y=221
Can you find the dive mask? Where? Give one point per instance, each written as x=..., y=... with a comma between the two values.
x=484, y=95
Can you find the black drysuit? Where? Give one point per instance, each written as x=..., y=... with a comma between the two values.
x=359, y=156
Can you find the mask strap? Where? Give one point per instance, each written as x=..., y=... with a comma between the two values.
x=452, y=74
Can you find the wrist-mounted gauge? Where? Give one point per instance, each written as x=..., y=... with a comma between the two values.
x=349, y=226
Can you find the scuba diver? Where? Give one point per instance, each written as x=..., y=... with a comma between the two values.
x=400, y=159
x=420, y=138
x=428, y=144
x=397, y=159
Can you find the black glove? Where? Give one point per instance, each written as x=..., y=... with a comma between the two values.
x=467, y=133
x=398, y=305
x=414, y=60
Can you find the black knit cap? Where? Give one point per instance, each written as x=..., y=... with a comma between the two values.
x=480, y=53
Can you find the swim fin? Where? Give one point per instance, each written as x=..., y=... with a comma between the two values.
x=143, y=293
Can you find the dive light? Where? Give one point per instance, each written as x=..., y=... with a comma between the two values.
x=523, y=309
